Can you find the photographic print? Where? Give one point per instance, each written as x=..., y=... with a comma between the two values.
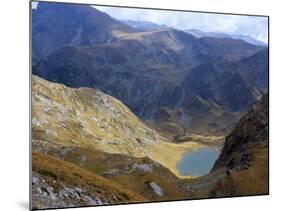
x=135, y=105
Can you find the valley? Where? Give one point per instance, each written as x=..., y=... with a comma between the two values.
x=147, y=157
x=131, y=112
x=165, y=76
x=147, y=161
x=118, y=131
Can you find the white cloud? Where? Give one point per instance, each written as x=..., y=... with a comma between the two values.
x=256, y=27
x=34, y=5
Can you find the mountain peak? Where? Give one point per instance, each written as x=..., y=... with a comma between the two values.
x=56, y=25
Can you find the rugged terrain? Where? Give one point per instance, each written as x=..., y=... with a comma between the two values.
x=80, y=25
x=94, y=131
x=64, y=138
x=199, y=33
x=165, y=76
x=245, y=155
x=117, y=104
x=58, y=184
x=86, y=118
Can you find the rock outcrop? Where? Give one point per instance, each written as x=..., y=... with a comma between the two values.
x=251, y=131
x=245, y=155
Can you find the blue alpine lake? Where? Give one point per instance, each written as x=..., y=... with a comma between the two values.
x=197, y=163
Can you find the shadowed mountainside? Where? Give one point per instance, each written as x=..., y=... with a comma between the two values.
x=101, y=87
x=55, y=25
x=88, y=118
x=199, y=33
x=150, y=71
x=60, y=129
x=99, y=134
x=245, y=155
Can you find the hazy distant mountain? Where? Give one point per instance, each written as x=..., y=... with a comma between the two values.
x=144, y=25
x=248, y=39
x=199, y=33
x=150, y=71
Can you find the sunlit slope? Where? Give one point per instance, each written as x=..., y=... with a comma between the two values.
x=56, y=183
x=86, y=117
x=140, y=175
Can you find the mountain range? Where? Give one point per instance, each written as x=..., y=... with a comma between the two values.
x=248, y=39
x=117, y=105
x=167, y=77
x=146, y=25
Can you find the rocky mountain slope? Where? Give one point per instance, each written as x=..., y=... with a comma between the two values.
x=251, y=130
x=114, y=108
x=245, y=155
x=66, y=149
x=60, y=114
x=88, y=118
x=146, y=90
x=150, y=71
x=248, y=39
x=143, y=25
x=56, y=25
x=84, y=130
x=58, y=184
x=135, y=174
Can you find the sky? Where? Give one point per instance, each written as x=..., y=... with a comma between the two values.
x=256, y=27
x=253, y=26
x=34, y=5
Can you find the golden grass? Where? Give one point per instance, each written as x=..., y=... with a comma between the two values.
x=251, y=181
x=88, y=118
x=70, y=174
x=101, y=163
x=134, y=36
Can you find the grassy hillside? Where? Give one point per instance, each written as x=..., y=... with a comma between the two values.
x=57, y=183
x=250, y=181
x=88, y=118
x=245, y=155
x=135, y=174
x=86, y=143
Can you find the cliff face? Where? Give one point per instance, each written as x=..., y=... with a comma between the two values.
x=245, y=155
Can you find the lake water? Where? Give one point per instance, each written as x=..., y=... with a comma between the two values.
x=197, y=163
